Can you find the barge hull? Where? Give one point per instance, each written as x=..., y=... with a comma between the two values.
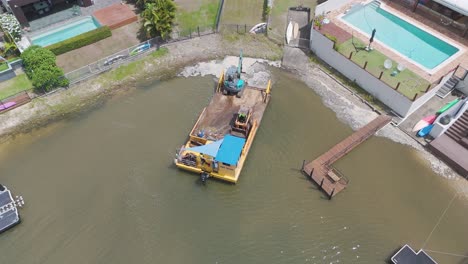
x=215, y=124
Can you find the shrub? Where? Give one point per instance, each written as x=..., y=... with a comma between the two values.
x=10, y=25
x=36, y=56
x=48, y=78
x=80, y=40
x=41, y=68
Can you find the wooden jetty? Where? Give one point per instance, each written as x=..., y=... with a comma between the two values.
x=320, y=170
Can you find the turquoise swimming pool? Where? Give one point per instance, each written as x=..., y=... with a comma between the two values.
x=407, y=39
x=66, y=31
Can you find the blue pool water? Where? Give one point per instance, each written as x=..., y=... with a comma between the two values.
x=409, y=40
x=66, y=31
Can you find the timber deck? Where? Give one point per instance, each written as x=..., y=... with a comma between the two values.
x=115, y=16
x=216, y=119
x=321, y=170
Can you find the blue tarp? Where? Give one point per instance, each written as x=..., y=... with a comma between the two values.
x=230, y=150
x=208, y=149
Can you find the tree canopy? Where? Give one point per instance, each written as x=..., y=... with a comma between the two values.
x=41, y=68
x=158, y=17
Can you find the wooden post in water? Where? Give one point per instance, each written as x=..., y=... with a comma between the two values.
x=331, y=194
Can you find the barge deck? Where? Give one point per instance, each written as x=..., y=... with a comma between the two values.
x=221, y=138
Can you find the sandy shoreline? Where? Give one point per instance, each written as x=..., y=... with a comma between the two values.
x=205, y=56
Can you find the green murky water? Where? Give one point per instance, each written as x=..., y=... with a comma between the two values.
x=102, y=188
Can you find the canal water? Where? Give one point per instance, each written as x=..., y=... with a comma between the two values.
x=102, y=188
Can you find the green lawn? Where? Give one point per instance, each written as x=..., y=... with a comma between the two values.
x=242, y=12
x=188, y=16
x=410, y=83
x=133, y=67
x=15, y=85
x=3, y=66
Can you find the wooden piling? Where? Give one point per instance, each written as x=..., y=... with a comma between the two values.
x=331, y=194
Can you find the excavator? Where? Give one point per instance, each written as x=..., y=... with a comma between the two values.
x=233, y=84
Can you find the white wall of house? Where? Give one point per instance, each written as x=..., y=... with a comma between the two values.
x=402, y=105
x=330, y=5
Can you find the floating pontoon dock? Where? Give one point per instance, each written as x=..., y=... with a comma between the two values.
x=9, y=215
x=406, y=255
x=218, y=145
x=320, y=170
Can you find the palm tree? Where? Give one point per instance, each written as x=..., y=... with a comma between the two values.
x=158, y=17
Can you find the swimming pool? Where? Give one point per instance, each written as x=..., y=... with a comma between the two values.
x=66, y=31
x=407, y=39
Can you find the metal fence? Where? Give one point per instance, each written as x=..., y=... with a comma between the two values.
x=237, y=28
x=15, y=100
x=133, y=53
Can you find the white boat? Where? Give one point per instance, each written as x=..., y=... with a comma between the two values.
x=289, y=32
x=259, y=28
x=296, y=31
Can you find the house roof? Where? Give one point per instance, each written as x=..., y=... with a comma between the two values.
x=461, y=6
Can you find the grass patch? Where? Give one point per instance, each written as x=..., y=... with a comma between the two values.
x=15, y=85
x=159, y=53
x=204, y=16
x=136, y=66
x=3, y=66
x=242, y=12
x=410, y=82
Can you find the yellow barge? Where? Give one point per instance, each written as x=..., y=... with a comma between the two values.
x=221, y=138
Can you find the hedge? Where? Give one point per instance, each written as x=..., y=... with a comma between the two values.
x=80, y=40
